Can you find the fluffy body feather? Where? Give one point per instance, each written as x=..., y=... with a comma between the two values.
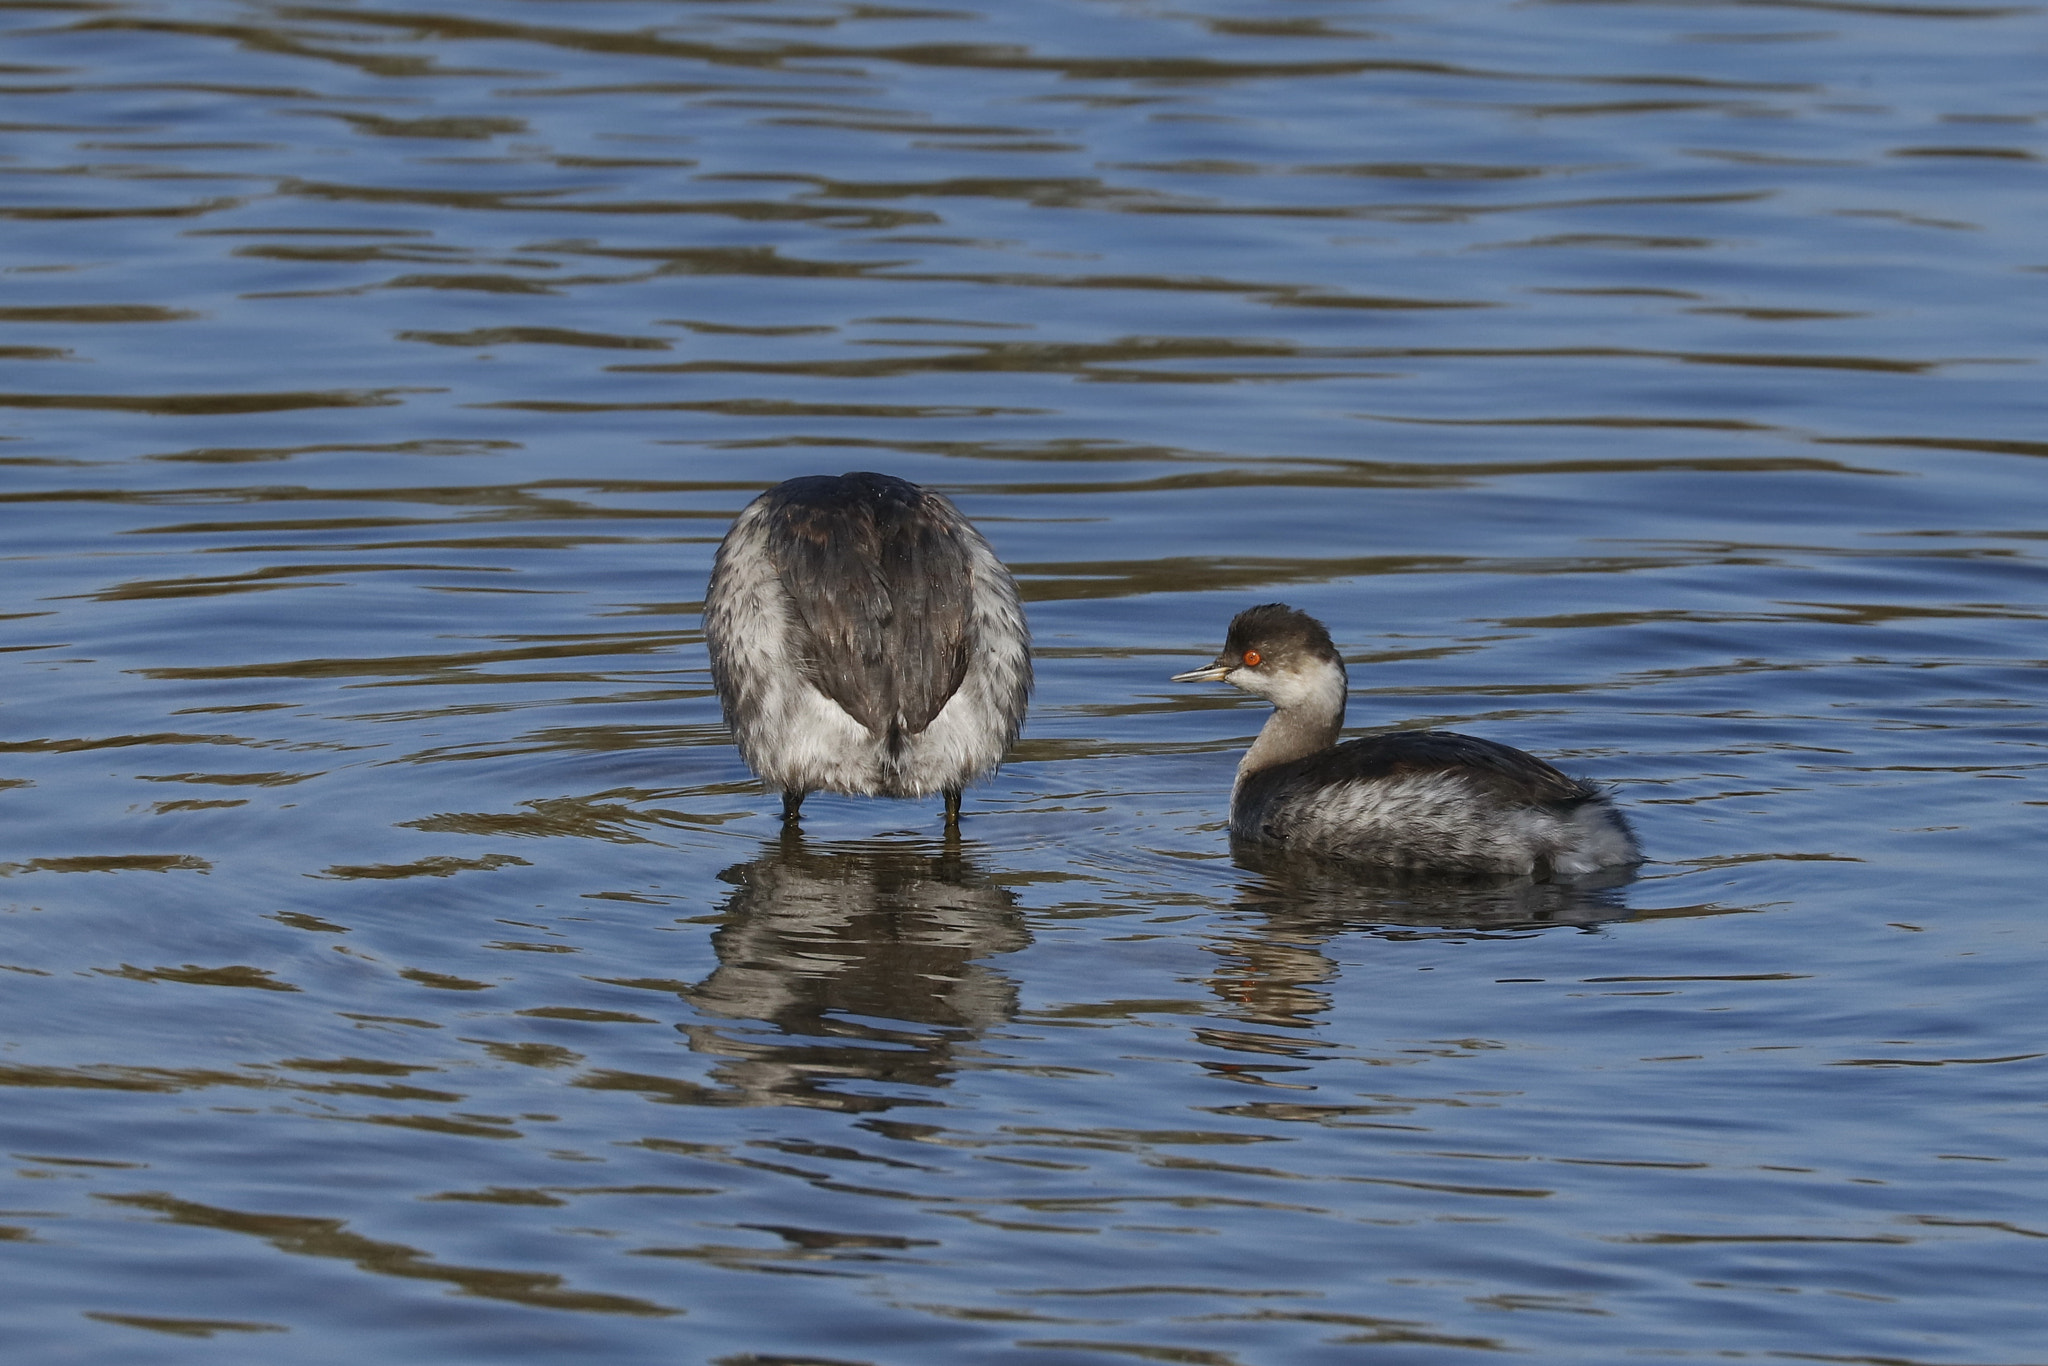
x=1413, y=800
x=864, y=638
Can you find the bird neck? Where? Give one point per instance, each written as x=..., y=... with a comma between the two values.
x=1307, y=721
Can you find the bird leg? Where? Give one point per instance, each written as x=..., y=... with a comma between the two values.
x=953, y=808
x=792, y=802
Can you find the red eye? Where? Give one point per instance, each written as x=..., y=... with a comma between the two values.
x=1251, y=659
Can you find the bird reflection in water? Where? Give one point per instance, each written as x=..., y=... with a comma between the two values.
x=868, y=956
x=1291, y=905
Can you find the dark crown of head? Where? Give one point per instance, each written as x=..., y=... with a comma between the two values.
x=1277, y=630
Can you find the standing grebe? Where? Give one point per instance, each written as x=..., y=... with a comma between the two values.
x=1420, y=800
x=864, y=638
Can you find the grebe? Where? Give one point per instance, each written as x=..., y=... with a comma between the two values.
x=864, y=638
x=1421, y=800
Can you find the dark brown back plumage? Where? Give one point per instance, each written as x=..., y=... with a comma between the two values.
x=878, y=572
x=1507, y=774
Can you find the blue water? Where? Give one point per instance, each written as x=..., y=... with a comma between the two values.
x=402, y=965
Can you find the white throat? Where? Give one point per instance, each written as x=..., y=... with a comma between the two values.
x=1308, y=713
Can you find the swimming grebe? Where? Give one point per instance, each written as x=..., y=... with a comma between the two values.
x=1420, y=800
x=864, y=638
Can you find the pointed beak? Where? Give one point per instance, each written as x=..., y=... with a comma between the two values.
x=1213, y=673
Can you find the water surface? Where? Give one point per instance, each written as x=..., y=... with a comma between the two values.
x=402, y=965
